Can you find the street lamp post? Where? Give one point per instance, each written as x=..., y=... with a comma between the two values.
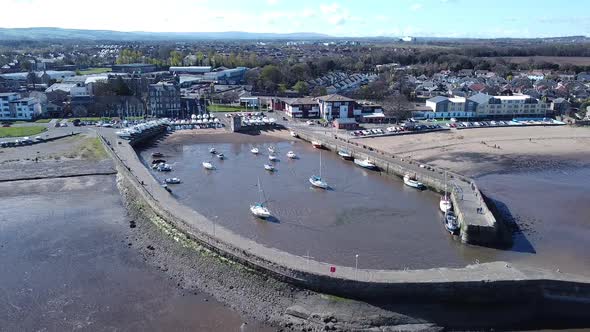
x=356, y=265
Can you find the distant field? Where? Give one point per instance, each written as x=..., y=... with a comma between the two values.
x=90, y=119
x=95, y=71
x=43, y=121
x=21, y=131
x=560, y=60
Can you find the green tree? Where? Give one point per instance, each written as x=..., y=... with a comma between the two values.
x=175, y=58
x=301, y=87
x=271, y=77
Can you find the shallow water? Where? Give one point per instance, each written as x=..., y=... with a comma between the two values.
x=388, y=224
x=552, y=214
x=65, y=265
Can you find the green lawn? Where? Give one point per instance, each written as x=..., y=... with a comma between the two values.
x=43, y=121
x=21, y=131
x=90, y=71
x=226, y=108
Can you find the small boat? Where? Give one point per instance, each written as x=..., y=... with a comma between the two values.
x=258, y=209
x=255, y=151
x=220, y=156
x=316, y=144
x=269, y=167
x=272, y=157
x=410, y=181
x=365, y=163
x=317, y=181
x=345, y=154
x=212, y=150
x=158, y=161
x=451, y=223
x=271, y=149
x=445, y=204
x=208, y=165
x=293, y=134
x=172, y=181
x=445, y=201
x=157, y=154
x=163, y=168
x=291, y=155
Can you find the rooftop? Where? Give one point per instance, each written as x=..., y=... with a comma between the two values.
x=334, y=98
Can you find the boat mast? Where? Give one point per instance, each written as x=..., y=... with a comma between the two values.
x=320, y=164
x=446, y=185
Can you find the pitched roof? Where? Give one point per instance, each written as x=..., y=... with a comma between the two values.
x=437, y=99
x=480, y=98
x=334, y=98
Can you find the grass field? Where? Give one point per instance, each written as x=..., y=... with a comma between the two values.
x=43, y=121
x=95, y=71
x=560, y=60
x=21, y=131
x=225, y=108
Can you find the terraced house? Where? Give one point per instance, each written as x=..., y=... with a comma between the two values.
x=484, y=106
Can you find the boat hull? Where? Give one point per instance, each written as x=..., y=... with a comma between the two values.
x=318, y=184
x=364, y=164
x=258, y=212
x=445, y=205
x=413, y=183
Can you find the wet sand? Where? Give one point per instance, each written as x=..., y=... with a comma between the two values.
x=505, y=149
x=67, y=264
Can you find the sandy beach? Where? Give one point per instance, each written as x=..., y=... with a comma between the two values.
x=476, y=152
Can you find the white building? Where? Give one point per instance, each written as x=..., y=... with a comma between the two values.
x=13, y=107
x=484, y=106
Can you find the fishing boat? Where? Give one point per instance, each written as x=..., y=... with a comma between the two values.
x=345, y=154
x=208, y=165
x=365, y=163
x=220, y=156
x=271, y=149
x=255, y=150
x=445, y=201
x=293, y=134
x=272, y=157
x=172, y=181
x=291, y=155
x=410, y=181
x=269, y=167
x=258, y=209
x=317, y=181
x=157, y=154
x=316, y=144
x=451, y=223
x=212, y=150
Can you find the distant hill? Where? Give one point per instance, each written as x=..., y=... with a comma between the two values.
x=77, y=34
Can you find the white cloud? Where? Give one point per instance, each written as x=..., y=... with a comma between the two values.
x=416, y=7
x=272, y=2
x=335, y=14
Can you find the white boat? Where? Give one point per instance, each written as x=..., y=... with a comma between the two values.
x=269, y=167
x=291, y=155
x=451, y=223
x=208, y=165
x=366, y=163
x=271, y=149
x=317, y=181
x=172, y=181
x=316, y=144
x=272, y=157
x=293, y=134
x=163, y=168
x=445, y=204
x=258, y=209
x=255, y=151
x=221, y=156
x=344, y=154
x=411, y=181
x=212, y=150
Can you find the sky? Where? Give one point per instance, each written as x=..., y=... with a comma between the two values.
x=350, y=18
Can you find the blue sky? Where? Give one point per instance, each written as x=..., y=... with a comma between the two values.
x=440, y=18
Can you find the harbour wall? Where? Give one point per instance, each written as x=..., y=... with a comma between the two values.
x=497, y=282
x=479, y=228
